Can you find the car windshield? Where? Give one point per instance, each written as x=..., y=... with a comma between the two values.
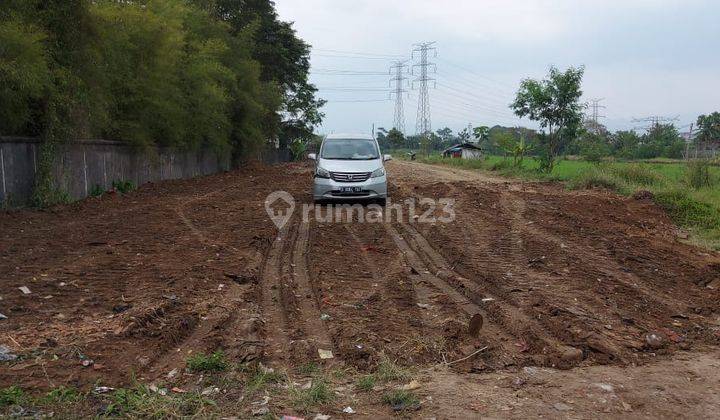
x=350, y=149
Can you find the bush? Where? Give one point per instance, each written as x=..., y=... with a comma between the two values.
x=698, y=174
x=596, y=178
x=637, y=174
x=501, y=165
x=123, y=187
x=207, y=363
x=688, y=212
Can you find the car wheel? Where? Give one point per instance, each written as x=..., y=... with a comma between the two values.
x=381, y=201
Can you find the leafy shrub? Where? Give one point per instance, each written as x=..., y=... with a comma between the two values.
x=637, y=174
x=97, y=191
x=123, y=187
x=207, y=363
x=686, y=211
x=698, y=174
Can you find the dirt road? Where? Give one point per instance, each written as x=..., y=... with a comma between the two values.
x=569, y=286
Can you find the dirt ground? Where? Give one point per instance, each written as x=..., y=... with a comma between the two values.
x=590, y=303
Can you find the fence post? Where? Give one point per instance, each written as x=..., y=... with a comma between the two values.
x=85, y=172
x=2, y=169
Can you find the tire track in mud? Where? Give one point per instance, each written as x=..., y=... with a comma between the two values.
x=513, y=323
x=274, y=318
x=314, y=328
x=422, y=325
x=540, y=341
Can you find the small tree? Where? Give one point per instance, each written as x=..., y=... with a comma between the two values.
x=555, y=103
x=481, y=133
x=395, y=138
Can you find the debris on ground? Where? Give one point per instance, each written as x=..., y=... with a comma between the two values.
x=654, y=340
x=321, y=417
x=260, y=411
x=3, y=317
x=25, y=290
x=325, y=354
x=412, y=385
x=348, y=410
x=6, y=354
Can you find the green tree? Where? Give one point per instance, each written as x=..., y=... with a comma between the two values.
x=481, y=133
x=24, y=74
x=396, y=139
x=285, y=60
x=555, y=103
x=709, y=128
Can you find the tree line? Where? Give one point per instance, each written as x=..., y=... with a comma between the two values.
x=555, y=104
x=221, y=74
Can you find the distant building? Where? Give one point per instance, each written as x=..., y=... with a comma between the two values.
x=463, y=151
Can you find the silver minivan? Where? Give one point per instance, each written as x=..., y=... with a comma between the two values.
x=350, y=167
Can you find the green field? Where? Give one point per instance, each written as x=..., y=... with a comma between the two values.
x=696, y=209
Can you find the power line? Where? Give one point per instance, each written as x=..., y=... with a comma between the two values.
x=398, y=82
x=423, y=124
x=473, y=73
x=654, y=121
x=396, y=56
x=349, y=56
x=332, y=101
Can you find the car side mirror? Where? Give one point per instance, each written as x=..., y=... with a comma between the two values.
x=312, y=156
x=386, y=158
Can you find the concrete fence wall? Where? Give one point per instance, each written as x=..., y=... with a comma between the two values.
x=82, y=165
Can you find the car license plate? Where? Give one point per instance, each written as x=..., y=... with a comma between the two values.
x=350, y=189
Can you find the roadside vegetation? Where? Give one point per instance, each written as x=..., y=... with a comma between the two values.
x=220, y=75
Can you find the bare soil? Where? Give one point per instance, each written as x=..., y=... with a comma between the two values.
x=568, y=285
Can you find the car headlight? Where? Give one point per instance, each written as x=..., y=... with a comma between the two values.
x=321, y=173
x=377, y=173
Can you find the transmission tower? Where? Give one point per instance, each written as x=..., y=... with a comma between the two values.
x=423, y=125
x=399, y=70
x=595, y=116
x=654, y=121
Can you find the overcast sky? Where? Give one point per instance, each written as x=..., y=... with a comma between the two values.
x=644, y=57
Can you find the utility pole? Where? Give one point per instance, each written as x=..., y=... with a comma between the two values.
x=423, y=125
x=399, y=70
x=595, y=105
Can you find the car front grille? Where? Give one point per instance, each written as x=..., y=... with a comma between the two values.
x=350, y=176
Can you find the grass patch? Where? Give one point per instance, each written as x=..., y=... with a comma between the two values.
x=401, y=399
x=13, y=395
x=387, y=370
x=310, y=368
x=687, y=211
x=366, y=383
x=319, y=393
x=141, y=402
x=261, y=378
x=62, y=395
x=207, y=363
x=637, y=174
x=598, y=177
